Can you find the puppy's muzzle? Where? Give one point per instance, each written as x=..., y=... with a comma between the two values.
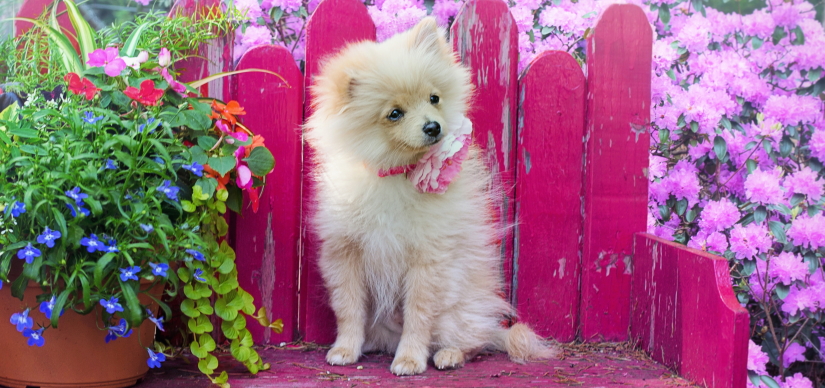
x=432, y=130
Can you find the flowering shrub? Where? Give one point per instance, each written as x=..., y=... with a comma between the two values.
x=116, y=182
x=737, y=142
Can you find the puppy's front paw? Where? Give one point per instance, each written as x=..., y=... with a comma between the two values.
x=405, y=366
x=449, y=358
x=340, y=355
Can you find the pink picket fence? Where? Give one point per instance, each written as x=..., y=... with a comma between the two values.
x=570, y=146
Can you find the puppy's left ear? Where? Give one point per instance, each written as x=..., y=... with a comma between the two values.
x=427, y=36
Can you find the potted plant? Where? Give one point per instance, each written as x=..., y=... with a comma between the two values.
x=114, y=181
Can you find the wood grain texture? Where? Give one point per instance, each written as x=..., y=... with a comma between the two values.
x=266, y=242
x=327, y=34
x=685, y=313
x=548, y=195
x=485, y=37
x=616, y=157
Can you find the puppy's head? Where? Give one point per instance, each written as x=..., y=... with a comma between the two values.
x=387, y=103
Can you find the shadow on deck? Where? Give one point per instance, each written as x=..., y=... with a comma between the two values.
x=586, y=365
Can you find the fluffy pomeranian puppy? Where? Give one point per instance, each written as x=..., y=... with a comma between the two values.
x=409, y=273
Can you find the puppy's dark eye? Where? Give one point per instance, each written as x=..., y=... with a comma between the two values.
x=395, y=115
x=434, y=99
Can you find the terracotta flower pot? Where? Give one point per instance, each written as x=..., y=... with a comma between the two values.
x=75, y=354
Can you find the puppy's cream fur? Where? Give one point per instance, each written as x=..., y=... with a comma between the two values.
x=407, y=273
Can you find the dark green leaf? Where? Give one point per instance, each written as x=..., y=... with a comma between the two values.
x=664, y=13
x=785, y=146
x=100, y=266
x=681, y=206
x=778, y=34
x=799, y=38
x=720, y=148
x=260, y=161
x=760, y=214
x=778, y=231
x=59, y=304
x=235, y=198
x=751, y=165
x=756, y=42
x=222, y=164
x=135, y=312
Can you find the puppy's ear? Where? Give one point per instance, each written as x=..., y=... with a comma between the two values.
x=426, y=35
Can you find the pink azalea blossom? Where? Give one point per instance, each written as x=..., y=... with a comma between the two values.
x=785, y=268
x=797, y=381
x=817, y=144
x=719, y=215
x=748, y=241
x=763, y=187
x=805, y=182
x=808, y=231
x=793, y=353
x=109, y=58
x=757, y=359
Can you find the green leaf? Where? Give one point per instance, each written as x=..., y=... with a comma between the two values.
x=785, y=146
x=197, y=351
x=720, y=148
x=100, y=266
x=135, y=312
x=206, y=342
x=260, y=161
x=760, y=214
x=24, y=133
x=224, y=312
x=778, y=231
x=222, y=164
x=222, y=378
x=754, y=378
x=59, y=304
x=241, y=353
x=756, y=42
x=18, y=287
x=234, y=199
x=751, y=165
x=699, y=6
x=813, y=75
x=204, y=81
x=187, y=206
x=68, y=55
x=799, y=38
x=206, y=143
x=208, y=186
x=198, y=154
x=130, y=45
x=204, y=306
x=208, y=364
x=187, y=307
x=778, y=34
x=782, y=290
x=200, y=325
x=694, y=126
x=228, y=330
x=83, y=31
x=664, y=13
x=681, y=206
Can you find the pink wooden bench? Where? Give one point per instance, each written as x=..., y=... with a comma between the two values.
x=573, y=148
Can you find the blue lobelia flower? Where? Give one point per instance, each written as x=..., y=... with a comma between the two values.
x=1, y=284
x=159, y=160
x=82, y=209
x=22, y=320
x=46, y=307
x=16, y=208
x=170, y=191
x=35, y=336
x=157, y=321
x=196, y=168
x=149, y=126
x=92, y=244
x=112, y=247
x=110, y=165
x=159, y=269
x=196, y=254
x=129, y=273
x=120, y=330
x=90, y=118
x=198, y=275
x=147, y=228
x=28, y=253
x=48, y=237
x=76, y=195
x=155, y=358
x=111, y=305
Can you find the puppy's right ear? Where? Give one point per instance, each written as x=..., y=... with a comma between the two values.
x=426, y=35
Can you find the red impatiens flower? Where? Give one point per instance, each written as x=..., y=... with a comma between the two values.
x=78, y=86
x=227, y=112
x=147, y=95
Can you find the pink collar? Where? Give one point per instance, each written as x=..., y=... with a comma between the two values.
x=440, y=164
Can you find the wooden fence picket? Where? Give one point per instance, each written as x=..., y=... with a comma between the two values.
x=266, y=242
x=615, y=170
x=548, y=202
x=327, y=33
x=485, y=37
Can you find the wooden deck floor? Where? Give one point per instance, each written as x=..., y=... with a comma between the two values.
x=594, y=365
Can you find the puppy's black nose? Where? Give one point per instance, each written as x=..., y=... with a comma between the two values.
x=433, y=129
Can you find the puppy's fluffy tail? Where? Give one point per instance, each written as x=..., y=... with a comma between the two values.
x=522, y=344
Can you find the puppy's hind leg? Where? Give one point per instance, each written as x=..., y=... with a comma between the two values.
x=343, y=271
x=421, y=305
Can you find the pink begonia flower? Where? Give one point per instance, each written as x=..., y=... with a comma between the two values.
x=748, y=241
x=785, y=268
x=244, y=174
x=806, y=182
x=134, y=62
x=109, y=58
x=242, y=136
x=797, y=381
x=164, y=57
x=175, y=85
x=793, y=353
x=808, y=231
x=719, y=215
x=442, y=162
x=817, y=144
x=756, y=358
x=763, y=186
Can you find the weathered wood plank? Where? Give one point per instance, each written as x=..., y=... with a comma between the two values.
x=685, y=313
x=485, y=37
x=266, y=242
x=616, y=156
x=326, y=35
x=547, y=257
